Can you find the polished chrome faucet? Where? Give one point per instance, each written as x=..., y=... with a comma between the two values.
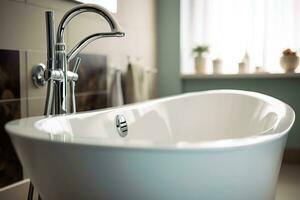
x=56, y=73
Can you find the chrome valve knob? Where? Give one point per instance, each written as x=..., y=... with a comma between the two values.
x=38, y=75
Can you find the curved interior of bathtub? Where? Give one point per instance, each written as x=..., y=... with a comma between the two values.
x=186, y=119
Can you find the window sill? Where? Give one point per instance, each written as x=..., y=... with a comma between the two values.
x=240, y=76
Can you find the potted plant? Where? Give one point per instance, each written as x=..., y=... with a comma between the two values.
x=200, y=59
x=289, y=61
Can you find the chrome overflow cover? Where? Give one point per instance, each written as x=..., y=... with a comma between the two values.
x=121, y=125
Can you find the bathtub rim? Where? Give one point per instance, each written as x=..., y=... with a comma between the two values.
x=10, y=127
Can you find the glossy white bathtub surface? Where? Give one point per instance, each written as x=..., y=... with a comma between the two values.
x=222, y=144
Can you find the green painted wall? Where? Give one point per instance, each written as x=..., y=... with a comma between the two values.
x=170, y=83
x=168, y=47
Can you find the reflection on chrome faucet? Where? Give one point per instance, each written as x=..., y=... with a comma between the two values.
x=56, y=73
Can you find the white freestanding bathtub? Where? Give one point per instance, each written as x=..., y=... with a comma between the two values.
x=222, y=144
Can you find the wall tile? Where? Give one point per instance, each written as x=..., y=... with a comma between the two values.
x=25, y=28
x=91, y=73
x=139, y=14
x=10, y=167
x=36, y=106
x=23, y=83
x=9, y=74
x=10, y=35
x=91, y=101
x=17, y=191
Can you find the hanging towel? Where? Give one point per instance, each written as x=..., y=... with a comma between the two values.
x=129, y=92
x=133, y=84
x=116, y=89
x=139, y=84
x=149, y=84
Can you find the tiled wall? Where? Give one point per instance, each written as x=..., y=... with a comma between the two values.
x=91, y=90
x=22, y=36
x=22, y=24
x=10, y=168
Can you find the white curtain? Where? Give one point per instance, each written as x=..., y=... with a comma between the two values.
x=263, y=28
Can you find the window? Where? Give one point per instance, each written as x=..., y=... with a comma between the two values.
x=263, y=28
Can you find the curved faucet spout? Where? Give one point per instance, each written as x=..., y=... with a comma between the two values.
x=58, y=59
x=115, y=27
x=83, y=43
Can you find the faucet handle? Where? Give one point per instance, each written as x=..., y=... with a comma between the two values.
x=37, y=75
x=77, y=63
x=73, y=76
